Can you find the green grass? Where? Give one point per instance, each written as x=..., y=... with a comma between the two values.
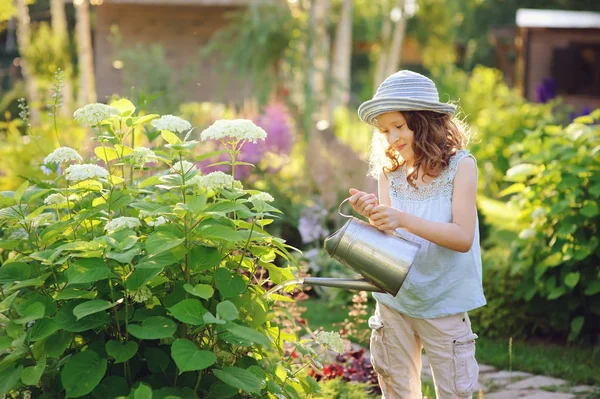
x=574, y=364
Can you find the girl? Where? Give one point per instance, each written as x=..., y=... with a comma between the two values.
x=427, y=188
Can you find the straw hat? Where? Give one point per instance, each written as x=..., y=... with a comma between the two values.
x=404, y=91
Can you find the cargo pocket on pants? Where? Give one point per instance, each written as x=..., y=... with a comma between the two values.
x=465, y=365
x=379, y=358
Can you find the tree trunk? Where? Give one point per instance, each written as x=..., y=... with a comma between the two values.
x=11, y=43
x=59, y=30
x=386, y=32
x=321, y=58
x=87, y=84
x=340, y=69
x=23, y=39
x=395, y=52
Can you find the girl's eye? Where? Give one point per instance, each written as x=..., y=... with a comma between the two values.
x=399, y=127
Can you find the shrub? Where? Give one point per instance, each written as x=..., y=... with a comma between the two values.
x=341, y=389
x=557, y=182
x=121, y=278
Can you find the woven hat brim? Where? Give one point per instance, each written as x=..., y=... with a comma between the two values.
x=369, y=110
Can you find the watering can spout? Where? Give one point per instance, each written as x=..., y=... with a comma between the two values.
x=347, y=283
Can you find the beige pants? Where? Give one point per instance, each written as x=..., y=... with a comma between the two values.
x=396, y=344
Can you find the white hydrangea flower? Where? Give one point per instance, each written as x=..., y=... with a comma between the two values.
x=213, y=180
x=331, y=340
x=187, y=166
x=140, y=295
x=171, y=123
x=121, y=223
x=262, y=196
x=241, y=129
x=93, y=114
x=85, y=171
x=143, y=155
x=63, y=155
x=54, y=199
x=158, y=221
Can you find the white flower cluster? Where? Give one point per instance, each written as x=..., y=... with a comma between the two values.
x=311, y=224
x=55, y=199
x=142, y=294
x=158, y=221
x=85, y=171
x=331, y=340
x=121, y=223
x=240, y=129
x=143, y=155
x=63, y=155
x=171, y=123
x=538, y=213
x=216, y=180
x=93, y=114
x=177, y=166
x=262, y=196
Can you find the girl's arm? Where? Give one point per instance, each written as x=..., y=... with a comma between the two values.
x=457, y=235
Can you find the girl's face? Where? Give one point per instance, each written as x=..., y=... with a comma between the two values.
x=395, y=129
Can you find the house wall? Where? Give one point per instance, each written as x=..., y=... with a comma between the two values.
x=541, y=43
x=181, y=30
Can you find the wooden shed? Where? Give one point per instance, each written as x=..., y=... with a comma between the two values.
x=560, y=55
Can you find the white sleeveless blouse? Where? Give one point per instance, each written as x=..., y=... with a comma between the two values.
x=441, y=282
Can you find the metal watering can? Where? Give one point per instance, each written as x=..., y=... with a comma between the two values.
x=383, y=259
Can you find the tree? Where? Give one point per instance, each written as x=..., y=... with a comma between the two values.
x=59, y=30
x=87, y=83
x=23, y=39
x=342, y=53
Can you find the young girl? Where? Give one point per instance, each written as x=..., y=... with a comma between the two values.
x=427, y=188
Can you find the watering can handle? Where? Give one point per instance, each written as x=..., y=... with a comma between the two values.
x=395, y=233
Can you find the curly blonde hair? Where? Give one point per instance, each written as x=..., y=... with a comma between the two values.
x=437, y=137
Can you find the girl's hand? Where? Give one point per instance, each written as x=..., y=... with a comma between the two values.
x=386, y=218
x=362, y=202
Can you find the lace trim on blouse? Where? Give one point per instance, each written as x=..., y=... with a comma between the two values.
x=439, y=187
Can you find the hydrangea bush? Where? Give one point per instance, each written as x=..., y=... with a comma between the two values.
x=134, y=275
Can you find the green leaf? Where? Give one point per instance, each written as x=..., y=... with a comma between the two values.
x=572, y=279
x=33, y=312
x=197, y=203
x=189, y=311
x=220, y=390
x=219, y=232
x=9, y=377
x=226, y=310
x=593, y=288
x=32, y=375
x=67, y=320
x=91, y=307
x=229, y=285
x=89, y=270
x=74, y=293
x=151, y=181
x=210, y=319
x=161, y=241
x=202, y=257
x=188, y=357
x=239, y=378
x=56, y=344
x=520, y=173
x=121, y=352
x=576, y=325
x=170, y=137
x=142, y=120
x=111, y=387
x=125, y=107
x=82, y=373
x=20, y=191
x=42, y=328
x=157, y=359
x=156, y=261
x=210, y=154
x=106, y=154
x=512, y=189
x=557, y=293
x=248, y=333
x=7, y=302
x=155, y=327
x=204, y=291
x=143, y=391
x=123, y=257
x=14, y=271
x=590, y=209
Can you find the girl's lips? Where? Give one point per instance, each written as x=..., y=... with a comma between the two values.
x=400, y=147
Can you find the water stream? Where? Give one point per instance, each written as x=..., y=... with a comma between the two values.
x=299, y=280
